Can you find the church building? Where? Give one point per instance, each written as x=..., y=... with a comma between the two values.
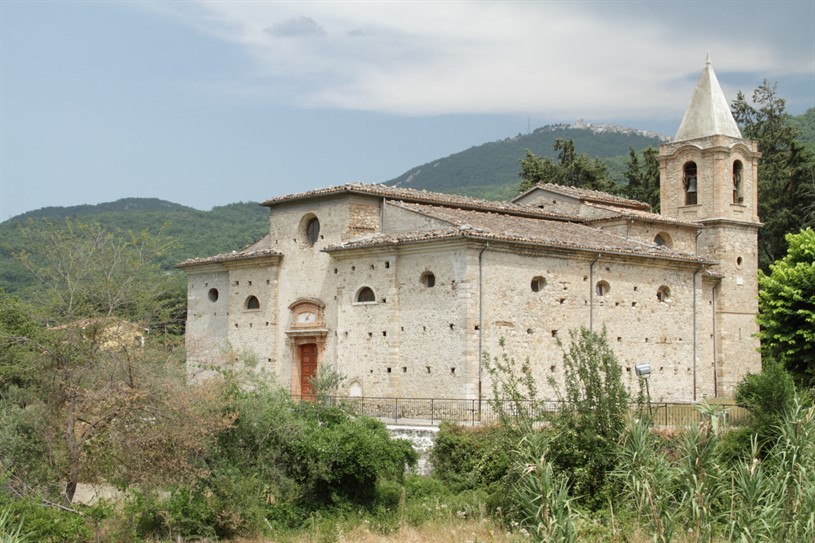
x=406, y=292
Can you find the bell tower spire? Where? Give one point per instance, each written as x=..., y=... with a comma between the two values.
x=708, y=113
x=709, y=175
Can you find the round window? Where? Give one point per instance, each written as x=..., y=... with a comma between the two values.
x=213, y=295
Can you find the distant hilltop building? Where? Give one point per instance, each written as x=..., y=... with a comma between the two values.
x=405, y=292
x=613, y=128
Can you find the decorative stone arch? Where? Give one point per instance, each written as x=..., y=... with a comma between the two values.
x=306, y=313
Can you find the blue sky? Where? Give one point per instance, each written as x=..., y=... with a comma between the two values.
x=208, y=103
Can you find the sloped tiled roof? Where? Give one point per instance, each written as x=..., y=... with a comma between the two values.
x=501, y=227
x=424, y=197
x=258, y=249
x=589, y=195
x=610, y=212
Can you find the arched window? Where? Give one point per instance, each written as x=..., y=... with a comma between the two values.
x=538, y=283
x=664, y=294
x=690, y=183
x=252, y=303
x=738, y=172
x=602, y=288
x=365, y=295
x=663, y=239
x=313, y=230
x=428, y=279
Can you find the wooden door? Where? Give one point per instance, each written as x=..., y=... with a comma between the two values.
x=308, y=370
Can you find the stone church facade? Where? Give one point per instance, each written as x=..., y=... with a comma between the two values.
x=405, y=292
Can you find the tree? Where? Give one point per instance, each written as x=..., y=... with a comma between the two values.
x=593, y=415
x=786, y=169
x=571, y=169
x=787, y=308
x=642, y=174
x=84, y=270
x=113, y=396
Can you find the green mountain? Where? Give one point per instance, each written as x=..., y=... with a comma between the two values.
x=487, y=171
x=198, y=233
x=491, y=170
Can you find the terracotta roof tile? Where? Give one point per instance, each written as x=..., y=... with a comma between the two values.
x=589, y=195
x=425, y=197
x=609, y=212
x=501, y=227
x=255, y=250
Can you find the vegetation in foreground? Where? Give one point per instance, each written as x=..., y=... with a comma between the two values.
x=86, y=395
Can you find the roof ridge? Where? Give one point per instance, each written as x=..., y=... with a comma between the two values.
x=597, y=195
x=425, y=197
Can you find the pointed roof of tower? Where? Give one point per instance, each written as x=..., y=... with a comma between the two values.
x=708, y=113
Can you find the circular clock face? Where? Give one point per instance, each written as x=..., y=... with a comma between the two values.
x=306, y=318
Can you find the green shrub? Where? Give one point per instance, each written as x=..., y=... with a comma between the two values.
x=470, y=458
x=421, y=486
x=768, y=396
x=593, y=417
x=44, y=524
x=284, y=459
x=388, y=496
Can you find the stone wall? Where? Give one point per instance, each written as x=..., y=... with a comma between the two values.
x=640, y=327
x=423, y=339
x=207, y=318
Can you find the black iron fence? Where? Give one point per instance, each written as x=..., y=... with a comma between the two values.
x=432, y=411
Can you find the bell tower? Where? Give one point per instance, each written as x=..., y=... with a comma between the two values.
x=709, y=175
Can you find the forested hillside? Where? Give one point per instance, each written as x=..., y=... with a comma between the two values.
x=491, y=170
x=805, y=124
x=197, y=233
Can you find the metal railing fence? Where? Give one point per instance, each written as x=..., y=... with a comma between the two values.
x=432, y=411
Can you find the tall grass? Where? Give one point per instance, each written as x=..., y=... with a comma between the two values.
x=773, y=499
x=8, y=532
x=542, y=496
x=769, y=499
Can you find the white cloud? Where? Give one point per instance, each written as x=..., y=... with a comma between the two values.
x=296, y=27
x=569, y=59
